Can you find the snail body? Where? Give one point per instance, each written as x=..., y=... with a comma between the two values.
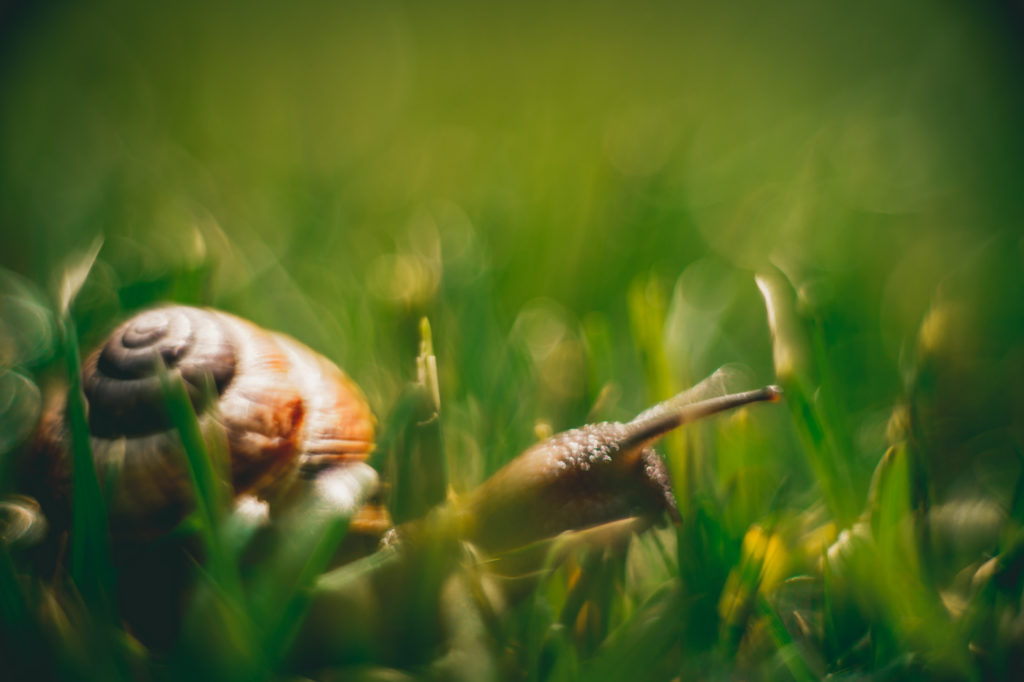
x=275, y=407
x=592, y=475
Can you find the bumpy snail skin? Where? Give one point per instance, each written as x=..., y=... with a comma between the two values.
x=587, y=476
x=573, y=480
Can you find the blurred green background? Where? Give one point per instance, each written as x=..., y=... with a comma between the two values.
x=577, y=195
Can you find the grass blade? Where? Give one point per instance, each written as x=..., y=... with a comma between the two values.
x=796, y=370
x=417, y=464
x=91, y=566
x=209, y=485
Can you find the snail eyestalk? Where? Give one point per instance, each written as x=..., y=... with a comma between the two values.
x=588, y=476
x=656, y=422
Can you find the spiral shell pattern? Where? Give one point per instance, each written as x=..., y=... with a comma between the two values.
x=121, y=383
x=275, y=406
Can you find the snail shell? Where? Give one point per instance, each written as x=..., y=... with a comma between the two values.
x=277, y=408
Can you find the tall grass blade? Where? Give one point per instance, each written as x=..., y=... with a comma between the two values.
x=800, y=377
x=304, y=545
x=647, y=314
x=418, y=465
x=787, y=650
x=91, y=566
x=223, y=644
x=648, y=636
x=209, y=484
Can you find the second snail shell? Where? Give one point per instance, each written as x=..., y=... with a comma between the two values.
x=273, y=405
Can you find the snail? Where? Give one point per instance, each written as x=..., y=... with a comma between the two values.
x=278, y=409
x=282, y=413
x=296, y=430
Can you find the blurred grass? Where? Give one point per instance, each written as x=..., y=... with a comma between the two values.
x=578, y=197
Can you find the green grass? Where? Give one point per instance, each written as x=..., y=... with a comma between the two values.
x=592, y=207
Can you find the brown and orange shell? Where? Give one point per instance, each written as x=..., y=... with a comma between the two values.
x=277, y=408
